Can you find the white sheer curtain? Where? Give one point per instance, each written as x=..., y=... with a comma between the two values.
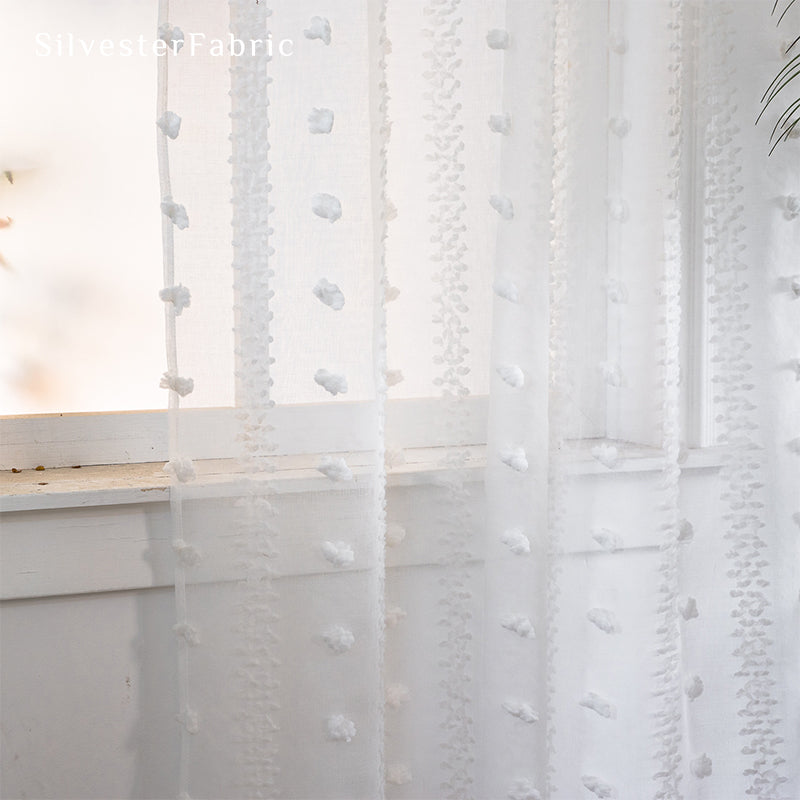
x=512, y=335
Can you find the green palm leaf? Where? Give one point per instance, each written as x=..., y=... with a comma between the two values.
x=788, y=120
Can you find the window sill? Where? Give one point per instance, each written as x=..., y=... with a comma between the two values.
x=123, y=484
x=61, y=440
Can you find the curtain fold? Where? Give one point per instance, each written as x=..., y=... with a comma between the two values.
x=570, y=570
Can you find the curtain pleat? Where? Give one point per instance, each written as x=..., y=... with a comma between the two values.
x=520, y=592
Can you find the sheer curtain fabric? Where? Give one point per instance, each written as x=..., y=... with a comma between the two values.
x=511, y=332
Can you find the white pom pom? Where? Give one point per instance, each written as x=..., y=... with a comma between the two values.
x=181, y=386
x=512, y=375
x=502, y=205
x=519, y=623
x=188, y=555
x=689, y=609
x=331, y=382
x=604, y=619
x=182, y=468
x=607, y=539
x=335, y=468
x=326, y=206
x=497, y=39
x=507, y=289
x=319, y=28
x=341, y=729
x=396, y=695
x=179, y=296
x=791, y=206
x=170, y=124
x=172, y=36
x=616, y=291
x=175, y=212
x=523, y=790
x=398, y=774
x=520, y=710
x=393, y=377
x=619, y=126
x=598, y=705
x=515, y=458
x=701, y=766
x=517, y=541
x=685, y=531
x=391, y=293
x=329, y=294
x=320, y=120
x=340, y=554
x=601, y=789
x=606, y=454
x=618, y=209
x=694, y=687
x=339, y=639
x=500, y=123
x=186, y=632
x=394, y=534
x=611, y=373
x=394, y=616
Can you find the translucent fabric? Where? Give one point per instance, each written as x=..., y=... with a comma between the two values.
x=505, y=326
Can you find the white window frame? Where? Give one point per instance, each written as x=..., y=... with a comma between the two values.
x=66, y=440
x=696, y=407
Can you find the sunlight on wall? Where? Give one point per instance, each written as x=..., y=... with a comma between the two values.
x=80, y=320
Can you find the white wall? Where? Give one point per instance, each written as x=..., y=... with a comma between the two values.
x=89, y=676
